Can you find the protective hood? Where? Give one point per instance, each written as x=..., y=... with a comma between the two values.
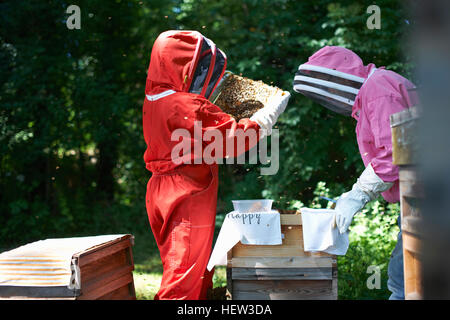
x=185, y=61
x=333, y=77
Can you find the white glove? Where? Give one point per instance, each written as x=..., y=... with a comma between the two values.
x=367, y=188
x=267, y=117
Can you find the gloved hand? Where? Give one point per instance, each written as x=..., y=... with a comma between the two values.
x=267, y=117
x=367, y=188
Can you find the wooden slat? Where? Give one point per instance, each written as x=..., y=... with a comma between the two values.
x=282, y=274
x=36, y=298
x=281, y=262
x=99, y=252
x=283, y=290
x=412, y=225
x=285, y=211
x=107, y=264
x=408, y=173
x=105, y=286
x=123, y=293
x=229, y=292
x=410, y=184
x=104, y=279
x=294, y=249
x=412, y=275
x=404, y=136
x=334, y=282
x=414, y=296
x=9, y=292
x=412, y=266
x=409, y=206
x=129, y=253
x=229, y=258
x=104, y=245
x=291, y=219
x=292, y=233
x=411, y=243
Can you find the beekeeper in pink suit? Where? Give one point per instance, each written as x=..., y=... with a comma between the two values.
x=336, y=78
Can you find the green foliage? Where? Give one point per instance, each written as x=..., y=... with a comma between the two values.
x=373, y=236
x=71, y=141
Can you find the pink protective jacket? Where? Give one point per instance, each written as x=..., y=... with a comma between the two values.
x=382, y=93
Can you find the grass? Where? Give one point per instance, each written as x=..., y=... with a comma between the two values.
x=146, y=284
x=148, y=269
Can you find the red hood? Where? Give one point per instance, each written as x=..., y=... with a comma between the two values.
x=174, y=59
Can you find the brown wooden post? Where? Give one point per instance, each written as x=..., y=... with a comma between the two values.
x=404, y=154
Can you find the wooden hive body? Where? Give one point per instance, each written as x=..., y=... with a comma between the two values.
x=107, y=271
x=281, y=272
x=105, y=274
x=405, y=154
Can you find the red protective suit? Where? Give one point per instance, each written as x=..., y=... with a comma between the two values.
x=185, y=67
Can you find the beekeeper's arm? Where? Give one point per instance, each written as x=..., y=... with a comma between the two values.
x=214, y=120
x=380, y=173
x=367, y=188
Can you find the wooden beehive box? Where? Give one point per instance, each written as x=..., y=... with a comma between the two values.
x=107, y=271
x=105, y=274
x=281, y=272
x=404, y=154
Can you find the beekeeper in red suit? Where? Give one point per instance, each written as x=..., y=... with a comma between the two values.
x=185, y=68
x=337, y=78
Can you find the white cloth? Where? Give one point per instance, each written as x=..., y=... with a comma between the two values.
x=320, y=234
x=257, y=228
x=46, y=262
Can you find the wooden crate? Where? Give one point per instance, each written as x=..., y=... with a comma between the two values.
x=404, y=154
x=105, y=274
x=107, y=271
x=281, y=272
